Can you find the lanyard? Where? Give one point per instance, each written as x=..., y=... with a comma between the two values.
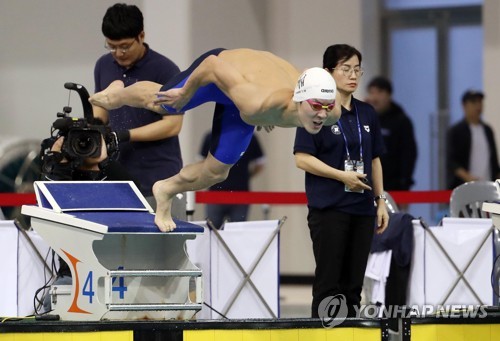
x=359, y=134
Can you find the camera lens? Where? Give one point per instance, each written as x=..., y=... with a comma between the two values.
x=84, y=143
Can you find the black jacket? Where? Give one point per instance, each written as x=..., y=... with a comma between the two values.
x=398, y=163
x=398, y=237
x=459, y=148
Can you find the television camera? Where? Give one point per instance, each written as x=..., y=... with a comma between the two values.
x=82, y=136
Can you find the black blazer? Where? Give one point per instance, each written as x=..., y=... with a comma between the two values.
x=459, y=148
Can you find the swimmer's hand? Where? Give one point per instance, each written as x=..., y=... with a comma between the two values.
x=175, y=98
x=266, y=128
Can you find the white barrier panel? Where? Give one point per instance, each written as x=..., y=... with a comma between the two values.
x=416, y=285
x=8, y=269
x=468, y=243
x=223, y=278
x=21, y=269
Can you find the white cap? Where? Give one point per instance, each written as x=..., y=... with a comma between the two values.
x=315, y=83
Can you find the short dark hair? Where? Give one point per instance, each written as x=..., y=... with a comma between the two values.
x=381, y=83
x=122, y=21
x=472, y=95
x=338, y=53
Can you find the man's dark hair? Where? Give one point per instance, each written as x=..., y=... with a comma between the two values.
x=381, y=83
x=472, y=95
x=122, y=21
x=339, y=53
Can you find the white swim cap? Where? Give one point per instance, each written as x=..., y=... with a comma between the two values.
x=315, y=83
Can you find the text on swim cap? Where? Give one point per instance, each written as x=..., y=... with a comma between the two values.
x=300, y=82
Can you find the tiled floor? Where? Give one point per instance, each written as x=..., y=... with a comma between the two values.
x=295, y=300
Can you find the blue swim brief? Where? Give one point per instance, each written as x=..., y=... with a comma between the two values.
x=230, y=134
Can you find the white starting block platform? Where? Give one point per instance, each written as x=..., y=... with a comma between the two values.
x=123, y=267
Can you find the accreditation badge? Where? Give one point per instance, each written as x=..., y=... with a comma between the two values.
x=356, y=166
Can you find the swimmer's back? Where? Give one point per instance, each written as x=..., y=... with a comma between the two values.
x=262, y=67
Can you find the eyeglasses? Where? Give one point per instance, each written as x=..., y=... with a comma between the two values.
x=316, y=106
x=347, y=71
x=123, y=48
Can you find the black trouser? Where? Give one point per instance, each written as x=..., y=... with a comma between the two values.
x=341, y=244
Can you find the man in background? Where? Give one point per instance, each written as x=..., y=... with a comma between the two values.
x=399, y=160
x=149, y=145
x=471, y=148
x=249, y=165
x=398, y=164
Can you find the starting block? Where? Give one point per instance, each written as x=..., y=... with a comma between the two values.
x=123, y=267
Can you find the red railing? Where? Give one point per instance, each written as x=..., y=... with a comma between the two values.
x=276, y=198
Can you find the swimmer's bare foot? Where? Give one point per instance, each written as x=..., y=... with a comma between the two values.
x=108, y=98
x=163, y=218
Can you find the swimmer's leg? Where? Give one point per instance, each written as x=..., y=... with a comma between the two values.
x=144, y=93
x=139, y=95
x=230, y=138
x=191, y=178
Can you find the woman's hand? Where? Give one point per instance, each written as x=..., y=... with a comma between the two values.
x=355, y=181
x=382, y=217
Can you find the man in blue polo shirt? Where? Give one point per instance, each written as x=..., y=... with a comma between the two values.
x=149, y=145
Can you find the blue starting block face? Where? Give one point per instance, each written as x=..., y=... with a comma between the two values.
x=118, y=205
x=64, y=196
x=133, y=222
